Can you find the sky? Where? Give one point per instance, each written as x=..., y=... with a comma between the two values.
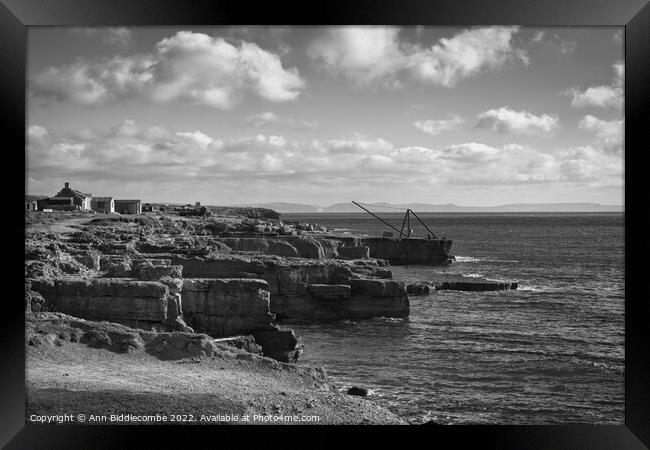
x=476, y=116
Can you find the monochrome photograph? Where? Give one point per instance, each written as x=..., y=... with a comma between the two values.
x=325, y=225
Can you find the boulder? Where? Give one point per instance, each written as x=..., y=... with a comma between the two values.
x=278, y=343
x=246, y=343
x=359, y=391
x=418, y=289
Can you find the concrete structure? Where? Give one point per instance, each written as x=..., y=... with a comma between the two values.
x=103, y=204
x=128, y=206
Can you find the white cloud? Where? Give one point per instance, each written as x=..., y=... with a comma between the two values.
x=271, y=160
x=37, y=132
x=605, y=96
x=609, y=133
x=506, y=120
x=269, y=118
x=554, y=42
x=192, y=67
x=376, y=55
x=589, y=164
x=617, y=38
x=567, y=47
x=126, y=128
x=435, y=127
x=200, y=139
x=538, y=36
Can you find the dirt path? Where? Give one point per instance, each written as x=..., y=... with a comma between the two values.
x=73, y=378
x=63, y=226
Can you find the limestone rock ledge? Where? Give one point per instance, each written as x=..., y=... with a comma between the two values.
x=231, y=306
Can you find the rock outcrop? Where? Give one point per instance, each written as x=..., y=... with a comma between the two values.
x=227, y=307
x=303, y=289
x=141, y=304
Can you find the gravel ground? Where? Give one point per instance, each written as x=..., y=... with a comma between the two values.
x=64, y=377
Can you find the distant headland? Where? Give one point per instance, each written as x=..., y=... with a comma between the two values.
x=282, y=207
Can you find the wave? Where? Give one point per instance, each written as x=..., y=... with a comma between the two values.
x=474, y=275
x=540, y=287
x=472, y=259
x=467, y=259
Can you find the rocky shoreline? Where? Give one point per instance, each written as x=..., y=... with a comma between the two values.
x=220, y=277
x=113, y=374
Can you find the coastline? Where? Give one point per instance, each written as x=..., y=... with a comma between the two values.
x=75, y=378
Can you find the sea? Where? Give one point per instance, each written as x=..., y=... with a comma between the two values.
x=550, y=352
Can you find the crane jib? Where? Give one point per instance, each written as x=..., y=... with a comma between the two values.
x=406, y=221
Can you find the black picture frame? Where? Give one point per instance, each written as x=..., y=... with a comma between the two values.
x=634, y=15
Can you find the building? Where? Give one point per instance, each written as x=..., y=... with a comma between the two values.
x=148, y=207
x=31, y=205
x=67, y=199
x=128, y=206
x=60, y=203
x=103, y=204
x=80, y=199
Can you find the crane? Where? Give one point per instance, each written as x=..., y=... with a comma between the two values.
x=406, y=222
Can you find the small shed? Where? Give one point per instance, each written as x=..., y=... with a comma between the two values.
x=103, y=204
x=128, y=206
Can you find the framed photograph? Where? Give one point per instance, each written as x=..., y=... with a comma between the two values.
x=411, y=217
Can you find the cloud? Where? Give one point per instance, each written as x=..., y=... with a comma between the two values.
x=376, y=55
x=589, y=164
x=435, y=127
x=538, y=36
x=609, y=133
x=195, y=157
x=37, y=132
x=506, y=120
x=617, y=38
x=605, y=96
x=190, y=67
x=111, y=36
x=126, y=128
x=554, y=42
x=200, y=139
x=267, y=118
